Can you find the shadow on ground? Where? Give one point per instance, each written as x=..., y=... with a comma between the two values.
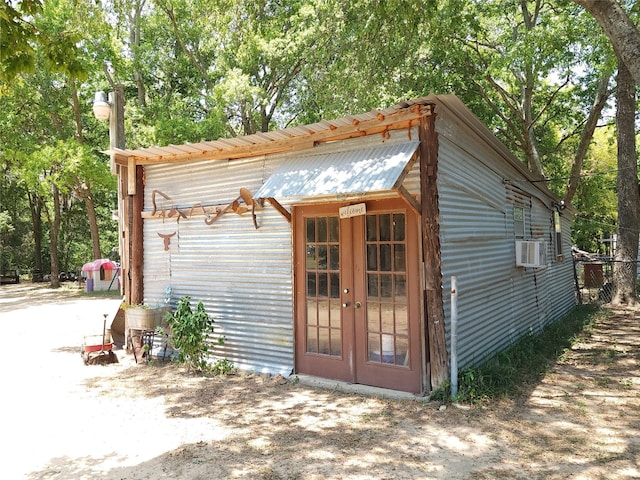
x=581, y=420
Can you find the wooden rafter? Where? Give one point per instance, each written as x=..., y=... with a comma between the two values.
x=281, y=210
x=411, y=201
x=402, y=119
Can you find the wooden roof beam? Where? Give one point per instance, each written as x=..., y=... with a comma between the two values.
x=394, y=121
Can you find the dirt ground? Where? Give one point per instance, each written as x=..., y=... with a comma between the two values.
x=61, y=419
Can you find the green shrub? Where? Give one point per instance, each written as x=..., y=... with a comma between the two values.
x=189, y=335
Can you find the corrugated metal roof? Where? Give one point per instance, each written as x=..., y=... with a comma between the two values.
x=356, y=171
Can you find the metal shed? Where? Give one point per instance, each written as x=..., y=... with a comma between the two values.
x=327, y=249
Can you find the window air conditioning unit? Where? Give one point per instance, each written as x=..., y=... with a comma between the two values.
x=531, y=254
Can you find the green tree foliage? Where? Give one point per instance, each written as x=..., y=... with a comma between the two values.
x=231, y=66
x=23, y=36
x=596, y=199
x=617, y=18
x=202, y=69
x=45, y=161
x=531, y=70
x=55, y=173
x=17, y=36
x=6, y=229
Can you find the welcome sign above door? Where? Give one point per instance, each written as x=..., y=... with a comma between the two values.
x=353, y=210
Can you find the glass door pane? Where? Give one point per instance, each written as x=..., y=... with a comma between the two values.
x=322, y=267
x=387, y=332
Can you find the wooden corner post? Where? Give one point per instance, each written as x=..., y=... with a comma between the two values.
x=132, y=260
x=430, y=224
x=137, y=251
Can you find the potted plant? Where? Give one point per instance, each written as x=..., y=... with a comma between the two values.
x=145, y=317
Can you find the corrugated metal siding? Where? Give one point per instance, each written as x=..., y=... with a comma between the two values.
x=497, y=302
x=477, y=248
x=210, y=183
x=242, y=275
x=541, y=227
x=558, y=291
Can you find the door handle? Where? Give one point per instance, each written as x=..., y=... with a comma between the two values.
x=355, y=305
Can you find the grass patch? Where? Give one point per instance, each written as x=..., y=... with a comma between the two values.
x=511, y=371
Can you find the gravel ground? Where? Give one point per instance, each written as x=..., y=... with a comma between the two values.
x=64, y=420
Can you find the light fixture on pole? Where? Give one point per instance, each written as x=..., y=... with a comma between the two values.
x=112, y=108
x=102, y=111
x=101, y=106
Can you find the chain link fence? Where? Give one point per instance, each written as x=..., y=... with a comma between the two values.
x=594, y=278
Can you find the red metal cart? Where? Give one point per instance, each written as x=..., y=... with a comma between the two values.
x=98, y=349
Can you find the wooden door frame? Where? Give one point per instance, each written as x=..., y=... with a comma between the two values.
x=305, y=362
x=319, y=365
x=366, y=372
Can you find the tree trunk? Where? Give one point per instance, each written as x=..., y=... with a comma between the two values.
x=134, y=45
x=35, y=207
x=81, y=190
x=77, y=113
x=527, y=76
x=53, y=244
x=93, y=226
x=620, y=29
x=600, y=100
x=625, y=267
x=531, y=147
